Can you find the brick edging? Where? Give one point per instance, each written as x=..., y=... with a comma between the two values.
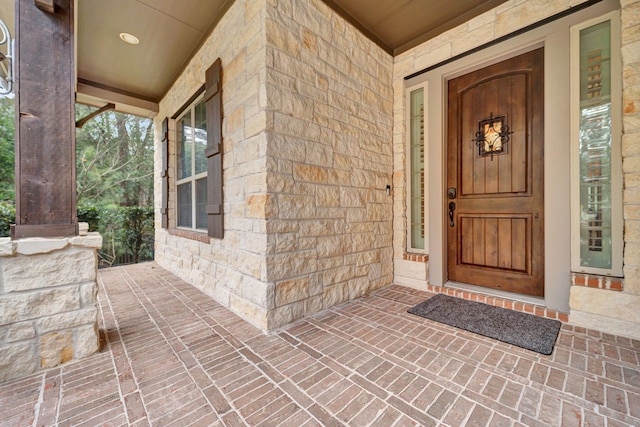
x=537, y=310
x=599, y=282
x=415, y=257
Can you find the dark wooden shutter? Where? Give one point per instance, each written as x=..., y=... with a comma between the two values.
x=213, y=100
x=164, y=209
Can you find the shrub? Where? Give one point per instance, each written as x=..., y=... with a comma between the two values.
x=7, y=217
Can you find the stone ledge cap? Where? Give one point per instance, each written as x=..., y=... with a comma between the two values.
x=6, y=246
x=90, y=240
x=39, y=245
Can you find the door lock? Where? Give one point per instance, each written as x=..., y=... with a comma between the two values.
x=452, y=193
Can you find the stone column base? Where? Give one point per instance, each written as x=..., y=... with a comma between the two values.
x=48, y=302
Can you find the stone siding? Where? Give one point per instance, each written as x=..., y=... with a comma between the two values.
x=48, y=312
x=307, y=156
x=330, y=160
x=233, y=269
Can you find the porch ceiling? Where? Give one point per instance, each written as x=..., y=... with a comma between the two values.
x=136, y=77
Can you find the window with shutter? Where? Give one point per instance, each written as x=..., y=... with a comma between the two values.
x=191, y=167
x=213, y=153
x=164, y=208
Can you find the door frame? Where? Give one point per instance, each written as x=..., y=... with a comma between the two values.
x=555, y=39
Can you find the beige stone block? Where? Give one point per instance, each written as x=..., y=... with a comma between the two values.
x=363, y=241
x=336, y=275
x=296, y=206
x=252, y=313
x=630, y=15
x=632, y=278
x=319, y=154
x=58, y=268
x=66, y=320
x=55, y=348
x=309, y=40
x=7, y=247
x=328, y=246
x=310, y=173
x=353, y=197
x=524, y=14
x=334, y=295
x=261, y=206
x=630, y=35
x=313, y=305
x=17, y=332
x=358, y=287
x=258, y=292
x=17, y=360
x=327, y=196
x=31, y=305
x=285, y=266
x=602, y=302
x=88, y=294
x=86, y=340
x=92, y=240
x=285, y=314
x=255, y=124
x=290, y=291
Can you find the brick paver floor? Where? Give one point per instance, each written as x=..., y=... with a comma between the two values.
x=173, y=356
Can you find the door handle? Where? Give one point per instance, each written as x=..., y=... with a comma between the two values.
x=452, y=207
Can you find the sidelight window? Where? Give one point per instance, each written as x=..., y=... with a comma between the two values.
x=596, y=157
x=416, y=171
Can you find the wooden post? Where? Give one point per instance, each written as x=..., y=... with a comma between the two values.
x=45, y=120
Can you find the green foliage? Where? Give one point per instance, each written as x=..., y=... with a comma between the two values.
x=7, y=149
x=91, y=215
x=127, y=232
x=114, y=161
x=7, y=217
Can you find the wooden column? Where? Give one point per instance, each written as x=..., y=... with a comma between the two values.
x=45, y=120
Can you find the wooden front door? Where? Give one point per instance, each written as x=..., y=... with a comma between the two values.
x=495, y=176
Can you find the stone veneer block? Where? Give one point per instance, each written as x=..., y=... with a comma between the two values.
x=48, y=312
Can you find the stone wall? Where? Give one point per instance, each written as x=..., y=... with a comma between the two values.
x=330, y=160
x=307, y=157
x=48, y=312
x=233, y=269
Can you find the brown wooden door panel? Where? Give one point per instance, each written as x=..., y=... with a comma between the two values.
x=497, y=237
x=495, y=242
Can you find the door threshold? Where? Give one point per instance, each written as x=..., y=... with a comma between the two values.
x=496, y=293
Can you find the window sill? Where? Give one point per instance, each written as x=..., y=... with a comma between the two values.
x=191, y=235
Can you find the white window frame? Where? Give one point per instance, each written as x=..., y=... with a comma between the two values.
x=408, y=91
x=194, y=177
x=616, y=154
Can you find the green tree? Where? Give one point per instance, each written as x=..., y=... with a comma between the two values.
x=114, y=159
x=7, y=150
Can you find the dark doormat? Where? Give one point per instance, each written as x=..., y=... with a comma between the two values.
x=524, y=330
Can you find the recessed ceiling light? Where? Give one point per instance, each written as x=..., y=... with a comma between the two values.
x=129, y=38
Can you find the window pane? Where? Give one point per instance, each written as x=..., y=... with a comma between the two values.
x=200, y=137
x=201, y=203
x=184, y=205
x=595, y=146
x=185, y=144
x=417, y=168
